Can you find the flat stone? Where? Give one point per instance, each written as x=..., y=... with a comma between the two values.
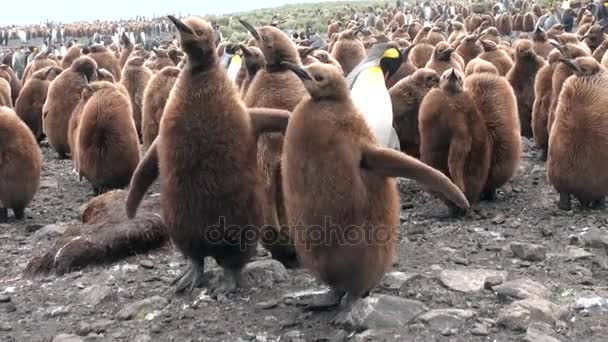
x=528, y=251
x=67, y=338
x=442, y=320
x=466, y=280
x=4, y=298
x=96, y=294
x=83, y=329
x=595, y=238
x=575, y=253
x=264, y=273
x=499, y=219
x=5, y=327
x=492, y=282
x=394, y=280
x=588, y=300
x=296, y=298
x=102, y=326
x=50, y=231
x=535, y=335
x=521, y=289
x=48, y=183
x=519, y=315
x=139, y=310
x=480, y=330
x=293, y=336
x=56, y=311
x=380, y=312
x=142, y=338
x=148, y=264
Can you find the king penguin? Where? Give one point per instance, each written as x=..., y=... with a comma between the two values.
x=234, y=65
x=369, y=93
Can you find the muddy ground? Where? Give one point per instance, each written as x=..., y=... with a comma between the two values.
x=92, y=302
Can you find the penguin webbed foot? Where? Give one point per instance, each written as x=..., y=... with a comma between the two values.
x=564, y=202
x=19, y=213
x=488, y=195
x=189, y=279
x=324, y=301
x=3, y=215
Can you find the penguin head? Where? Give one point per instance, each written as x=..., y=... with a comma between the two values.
x=443, y=52
x=47, y=74
x=125, y=40
x=322, y=81
x=253, y=58
x=275, y=44
x=386, y=55
x=425, y=78
x=136, y=61
x=85, y=66
x=197, y=40
x=470, y=39
x=489, y=45
x=524, y=50
x=105, y=75
x=451, y=81
x=583, y=66
x=539, y=34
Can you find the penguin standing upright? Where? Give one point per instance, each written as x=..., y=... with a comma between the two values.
x=234, y=64
x=369, y=93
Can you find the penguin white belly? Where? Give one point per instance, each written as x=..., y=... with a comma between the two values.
x=370, y=95
x=234, y=67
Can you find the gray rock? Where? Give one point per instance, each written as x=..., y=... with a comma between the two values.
x=5, y=327
x=264, y=273
x=466, y=280
x=575, y=253
x=96, y=294
x=587, y=300
x=56, y=311
x=139, y=310
x=67, y=338
x=293, y=336
x=83, y=329
x=444, y=320
x=102, y=326
x=521, y=289
x=480, y=330
x=142, y=338
x=380, y=312
x=499, y=219
x=528, y=251
x=50, y=231
x=519, y=315
x=4, y=298
x=48, y=183
x=10, y=307
x=595, y=238
x=148, y=264
x=295, y=298
x=394, y=280
x=535, y=335
x=492, y=282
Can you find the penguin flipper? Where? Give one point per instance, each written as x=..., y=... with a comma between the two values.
x=389, y=163
x=145, y=174
x=268, y=120
x=393, y=141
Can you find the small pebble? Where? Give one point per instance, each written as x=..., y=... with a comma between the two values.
x=492, y=282
x=10, y=307
x=480, y=330
x=146, y=264
x=4, y=298
x=5, y=327
x=83, y=329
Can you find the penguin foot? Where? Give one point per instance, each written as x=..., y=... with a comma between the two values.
x=19, y=213
x=598, y=204
x=190, y=279
x=488, y=195
x=456, y=212
x=3, y=215
x=544, y=156
x=325, y=301
x=564, y=201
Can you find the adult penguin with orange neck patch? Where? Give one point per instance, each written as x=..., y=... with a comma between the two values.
x=274, y=87
x=215, y=211
x=327, y=136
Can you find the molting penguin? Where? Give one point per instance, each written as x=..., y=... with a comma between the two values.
x=362, y=202
x=369, y=93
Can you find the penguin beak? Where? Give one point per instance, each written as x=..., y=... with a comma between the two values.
x=125, y=38
x=584, y=37
x=296, y=69
x=245, y=50
x=251, y=29
x=570, y=63
x=182, y=28
x=453, y=75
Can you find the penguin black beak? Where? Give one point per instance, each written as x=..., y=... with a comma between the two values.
x=584, y=37
x=125, y=38
x=251, y=29
x=180, y=26
x=556, y=45
x=296, y=69
x=453, y=75
x=245, y=50
x=570, y=63
x=538, y=30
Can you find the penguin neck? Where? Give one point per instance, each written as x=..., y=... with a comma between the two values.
x=201, y=62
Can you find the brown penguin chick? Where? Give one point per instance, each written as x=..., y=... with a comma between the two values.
x=363, y=199
x=469, y=48
x=253, y=59
x=5, y=93
x=107, y=147
x=175, y=55
x=496, y=101
x=542, y=47
x=105, y=59
x=578, y=143
x=217, y=210
x=443, y=58
x=20, y=165
x=422, y=34
x=155, y=97
x=521, y=77
x=435, y=36
x=71, y=55
x=528, y=22
x=473, y=23
x=8, y=73
x=159, y=61
x=349, y=51
x=583, y=29
x=126, y=49
x=599, y=53
x=478, y=65
x=306, y=55
x=41, y=61
x=568, y=38
x=277, y=87
x=594, y=37
x=505, y=24
x=518, y=23
x=333, y=28
x=105, y=75
x=420, y=54
x=63, y=96
x=490, y=34
x=543, y=88
x=501, y=60
x=135, y=77
x=458, y=32
x=605, y=60
x=324, y=57
x=29, y=104
x=454, y=136
x=406, y=97
x=414, y=29
x=556, y=30
x=406, y=68
x=561, y=73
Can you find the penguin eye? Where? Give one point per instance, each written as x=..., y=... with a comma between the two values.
x=198, y=32
x=319, y=78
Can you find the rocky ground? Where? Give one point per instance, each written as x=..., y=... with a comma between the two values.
x=517, y=269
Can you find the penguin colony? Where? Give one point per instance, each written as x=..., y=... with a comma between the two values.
x=264, y=140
